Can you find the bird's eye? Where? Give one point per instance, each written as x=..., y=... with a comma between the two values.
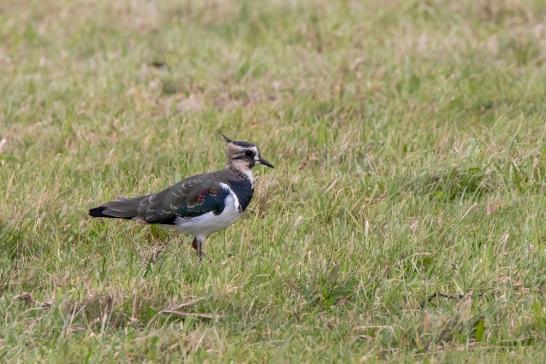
x=248, y=153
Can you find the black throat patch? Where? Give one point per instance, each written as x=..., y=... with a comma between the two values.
x=243, y=188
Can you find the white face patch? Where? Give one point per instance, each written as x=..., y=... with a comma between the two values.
x=256, y=153
x=243, y=158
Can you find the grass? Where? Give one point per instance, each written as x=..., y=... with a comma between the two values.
x=405, y=219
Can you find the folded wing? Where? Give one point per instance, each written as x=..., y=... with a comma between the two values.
x=189, y=198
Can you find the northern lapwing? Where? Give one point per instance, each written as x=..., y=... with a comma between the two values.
x=199, y=205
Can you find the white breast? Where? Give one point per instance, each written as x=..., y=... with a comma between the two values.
x=208, y=223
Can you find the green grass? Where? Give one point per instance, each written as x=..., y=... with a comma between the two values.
x=405, y=219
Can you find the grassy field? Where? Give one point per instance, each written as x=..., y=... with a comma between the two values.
x=406, y=218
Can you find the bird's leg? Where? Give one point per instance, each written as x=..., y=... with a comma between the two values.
x=200, y=253
x=194, y=244
x=197, y=244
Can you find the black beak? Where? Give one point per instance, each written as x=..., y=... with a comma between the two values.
x=265, y=163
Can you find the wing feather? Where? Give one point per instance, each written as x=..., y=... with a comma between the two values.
x=189, y=198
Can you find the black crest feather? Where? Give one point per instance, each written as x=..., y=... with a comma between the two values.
x=227, y=140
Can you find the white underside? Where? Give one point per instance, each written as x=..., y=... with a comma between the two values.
x=208, y=223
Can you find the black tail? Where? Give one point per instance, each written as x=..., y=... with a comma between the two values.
x=123, y=208
x=97, y=212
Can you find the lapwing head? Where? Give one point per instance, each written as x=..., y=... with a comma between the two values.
x=243, y=155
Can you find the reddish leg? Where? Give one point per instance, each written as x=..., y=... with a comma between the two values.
x=194, y=244
x=197, y=245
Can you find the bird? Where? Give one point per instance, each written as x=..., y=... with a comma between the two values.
x=198, y=205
